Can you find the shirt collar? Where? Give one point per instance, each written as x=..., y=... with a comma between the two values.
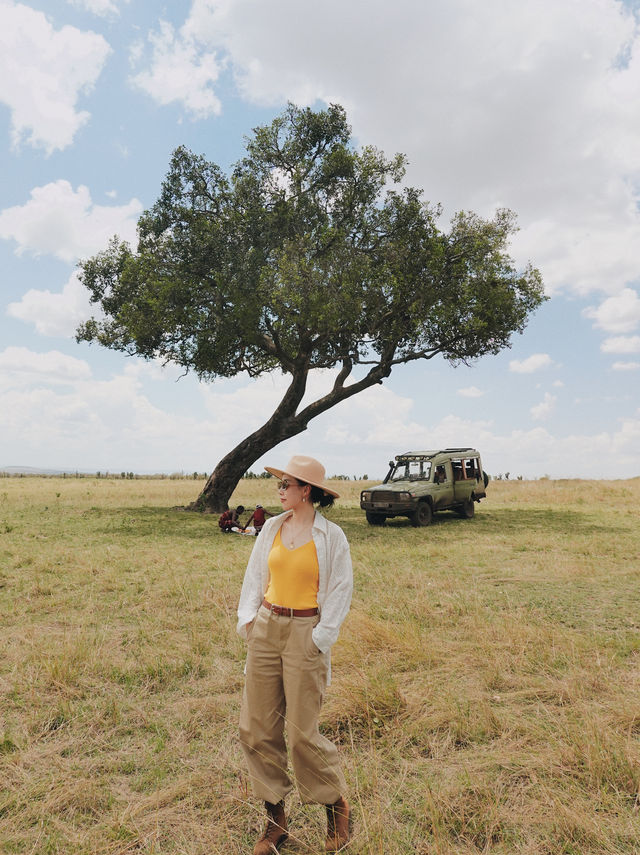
x=320, y=522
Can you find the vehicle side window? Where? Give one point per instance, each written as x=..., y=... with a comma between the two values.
x=470, y=467
x=441, y=475
x=458, y=471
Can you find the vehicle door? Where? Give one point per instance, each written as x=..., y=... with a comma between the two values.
x=442, y=487
x=464, y=480
x=478, y=474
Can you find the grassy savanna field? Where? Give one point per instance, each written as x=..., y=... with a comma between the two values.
x=486, y=693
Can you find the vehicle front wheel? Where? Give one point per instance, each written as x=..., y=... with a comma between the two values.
x=375, y=519
x=422, y=514
x=467, y=509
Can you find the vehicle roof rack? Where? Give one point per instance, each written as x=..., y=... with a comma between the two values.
x=412, y=455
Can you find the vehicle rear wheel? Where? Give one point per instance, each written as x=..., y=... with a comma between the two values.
x=467, y=509
x=422, y=514
x=375, y=519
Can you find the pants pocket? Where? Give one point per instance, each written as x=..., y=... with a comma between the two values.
x=310, y=648
x=251, y=626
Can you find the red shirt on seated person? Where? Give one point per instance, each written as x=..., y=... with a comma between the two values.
x=229, y=519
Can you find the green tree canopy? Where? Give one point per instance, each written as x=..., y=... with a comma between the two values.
x=308, y=255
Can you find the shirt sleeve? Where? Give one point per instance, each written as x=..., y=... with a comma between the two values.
x=252, y=591
x=339, y=591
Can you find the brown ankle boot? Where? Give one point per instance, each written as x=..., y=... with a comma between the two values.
x=276, y=831
x=338, y=825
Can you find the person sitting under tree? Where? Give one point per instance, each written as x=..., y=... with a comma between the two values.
x=258, y=517
x=229, y=519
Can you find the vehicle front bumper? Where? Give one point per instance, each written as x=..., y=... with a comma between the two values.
x=386, y=507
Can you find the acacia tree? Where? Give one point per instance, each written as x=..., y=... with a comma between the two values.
x=301, y=259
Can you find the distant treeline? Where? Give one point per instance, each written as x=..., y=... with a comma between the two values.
x=251, y=474
x=160, y=476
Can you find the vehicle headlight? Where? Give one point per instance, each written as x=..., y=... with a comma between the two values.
x=404, y=497
x=365, y=496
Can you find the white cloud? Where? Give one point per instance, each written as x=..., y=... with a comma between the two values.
x=625, y=442
x=113, y=424
x=66, y=223
x=537, y=452
x=244, y=406
x=547, y=96
x=621, y=344
x=103, y=8
x=180, y=72
x=543, y=410
x=587, y=256
x=542, y=98
x=532, y=453
x=626, y=366
x=43, y=73
x=533, y=363
x=378, y=421
x=90, y=422
x=471, y=392
x=406, y=434
x=619, y=314
x=55, y=314
x=20, y=366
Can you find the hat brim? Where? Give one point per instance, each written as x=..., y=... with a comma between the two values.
x=280, y=473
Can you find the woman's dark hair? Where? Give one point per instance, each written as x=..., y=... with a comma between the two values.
x=319, y=497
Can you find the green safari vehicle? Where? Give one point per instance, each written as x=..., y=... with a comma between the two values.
x=421, y=482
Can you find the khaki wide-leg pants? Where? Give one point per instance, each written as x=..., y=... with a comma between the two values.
x=285, y=683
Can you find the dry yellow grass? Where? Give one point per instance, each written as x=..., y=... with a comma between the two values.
x=486, y=691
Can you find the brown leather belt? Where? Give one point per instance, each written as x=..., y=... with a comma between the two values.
x=283, y=610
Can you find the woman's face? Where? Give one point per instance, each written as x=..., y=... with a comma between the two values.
x=291, y=492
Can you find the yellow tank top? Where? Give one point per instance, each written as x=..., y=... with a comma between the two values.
x=294, y=575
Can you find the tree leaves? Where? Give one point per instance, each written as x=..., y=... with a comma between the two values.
x=301, y=257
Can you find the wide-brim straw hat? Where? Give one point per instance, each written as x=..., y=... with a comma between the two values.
x=306, y=469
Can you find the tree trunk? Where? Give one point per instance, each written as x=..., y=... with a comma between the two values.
x=216, y=493
x=283, y=424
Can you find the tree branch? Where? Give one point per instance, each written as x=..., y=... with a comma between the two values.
x=292, y=397
x=345, y=371
x=425, y=353
x=340, y=392
x=273, y=348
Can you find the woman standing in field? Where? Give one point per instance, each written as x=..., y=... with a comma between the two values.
x=295, y=595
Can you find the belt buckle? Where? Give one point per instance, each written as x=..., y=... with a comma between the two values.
x=282, y=610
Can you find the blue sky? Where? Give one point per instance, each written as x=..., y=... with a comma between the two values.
x=529, y=106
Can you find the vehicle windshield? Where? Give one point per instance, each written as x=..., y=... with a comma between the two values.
x=411, y=470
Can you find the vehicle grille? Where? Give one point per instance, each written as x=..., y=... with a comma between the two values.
x=385, y=496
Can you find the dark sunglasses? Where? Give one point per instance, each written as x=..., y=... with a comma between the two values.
x=284, y=484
